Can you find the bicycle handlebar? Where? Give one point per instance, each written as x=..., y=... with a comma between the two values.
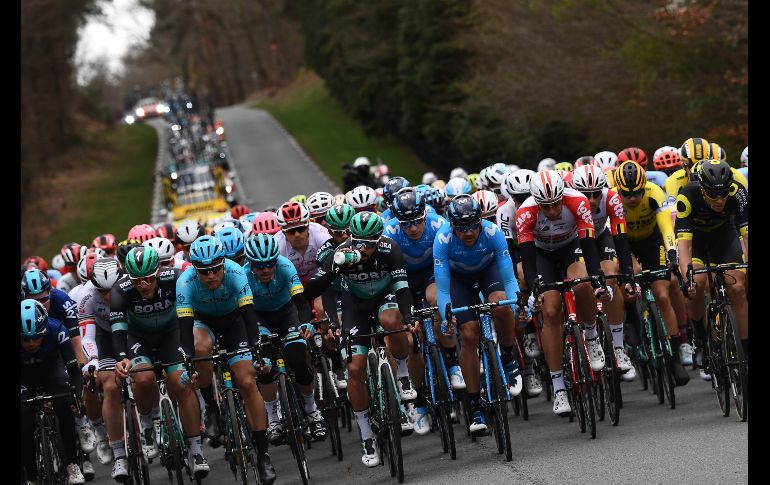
x=52, y=397
x=482, y=306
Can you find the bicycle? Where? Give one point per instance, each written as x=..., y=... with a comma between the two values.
x=494, y=391
x=606, y=386
x=330, y=402
x=441, y=397
x=138, y=469
x=384, y=401
x=51, y=470
x=726, y=359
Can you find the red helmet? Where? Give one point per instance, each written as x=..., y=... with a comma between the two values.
x=291, y=213
x=239, y=210
x=142, y=232
x=166, y=230
x=105, y=242
x=265, y=223
x=586, y=160
x=86, y=266
x=634, y=154
x=667, y=160
x=72, y=253
x=37, y=261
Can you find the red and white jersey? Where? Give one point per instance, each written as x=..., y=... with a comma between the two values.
x=506, y=217
x=89, y=304
x=610, y=208
x=67, y=282
x=305, y=263
x=574, y=221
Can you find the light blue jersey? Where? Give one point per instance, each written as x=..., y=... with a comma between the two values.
x=418, y=254
x=192, y=296
x=387, y=214
x=277, y=292
x=656, y=177
x=745, y=172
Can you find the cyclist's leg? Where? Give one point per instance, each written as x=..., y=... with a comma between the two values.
x=204, y=340
x=32, y=377
x=462, y=294
x=112, y=408
x=57, y=382
x=696, y=307
x=144, y=386
x=727, y=249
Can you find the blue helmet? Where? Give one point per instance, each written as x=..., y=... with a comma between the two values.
x=261, y=248
x=457, y=186
x=206, y=251
x=250, y=216
x=435, y=198
x=233, y=241
x=34, y=318
x=408, y=205
x=34, y=281
x=464, y=210
x=392, y=186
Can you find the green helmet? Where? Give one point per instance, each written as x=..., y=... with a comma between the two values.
x=301, y=198
x=366, y=225
x=142, y=261
x=339, y=216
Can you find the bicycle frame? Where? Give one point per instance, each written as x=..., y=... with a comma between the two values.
x=571, y=321
x=430, y=343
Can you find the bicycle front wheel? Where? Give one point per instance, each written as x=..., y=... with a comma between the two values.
x=392, y=422
x=296, y=437
x=173, y=445
x=665, y=376
x=500, y=395
x=719, y=378
x=610, y=375
x=443, y=405
x=45, y=467
x=735, y=361
x=330, y=409
x=138, y=472
x=585, y=381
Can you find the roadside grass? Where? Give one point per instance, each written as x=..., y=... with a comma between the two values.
x=330, y=136
x=116, y=196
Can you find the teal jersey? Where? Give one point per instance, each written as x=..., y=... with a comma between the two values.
x=278, y=291
x=192, y=296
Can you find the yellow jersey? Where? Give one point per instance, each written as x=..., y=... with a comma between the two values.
x=653, y=211
x=679, y=179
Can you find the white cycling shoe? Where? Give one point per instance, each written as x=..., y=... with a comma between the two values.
x=456, y=378
x=533, y=385
x=120, y=469
x=104, y=452
x=531, y=348
x=74, y=476
x=406, y=390
x=625, y=366
x=370, y=456
x=421, y=419
x=685, y=353
x=595, y=354
x=149, y=446
x=561, y=405
x=87, y=438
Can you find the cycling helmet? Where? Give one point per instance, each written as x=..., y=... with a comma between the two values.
x=265, y=223
x=124, y=247
x=270, y=208
x=408, y=204
x=392, y=186
x=464, y=210
x=106, y=273
x=36, y=261
x=86, y=266
x=34, y=319
x=206, y=251
x=301, y=198
x=458, y=172
x=606, y=160
x=495, y=175
x=362, y=198
x=34, y=281
x=634, y=154
x=366, y=225
x=362, y=162
x=487, y=202
x=429, y=177
x=292, y=213
x=663, y=149
x=435, y=198
x=101, y=252
x=716, y=152
x=512, y=167
x=250, y=216
x=693, y=150
x=261, y=248
x=339, y=216
x=546, y=187
x=57, y=261
x=584, y=160
x=667, y=160
x=481, y=182
x=745, y=157
x=715, y=176
x=105, y=242
x=438, y=184
x=166, y=230
x=319, y=202
x=188, y=231
x=142, y=261
x=238, y=210
x=232, y=240
x=142, y=232
x=517, y=183
x=457, y=186
x=546, y=164
x=563, y=167
x=381, y=206
x=163, y=247
x=630, y=177
x=223, y=224
x=473, y=179
x=72, y=253
x=339, y=199
x=588, y=178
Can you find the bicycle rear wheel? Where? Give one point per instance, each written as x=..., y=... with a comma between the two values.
x=586, y=382
x=666, y=352
x=610, y=376
x=392, y=425
x=238, y=455
x=719, y=378
x=735, y=361
x=571, y=373
x=295, y=435
x=330, y=409
x=500, y=394
x=174, y=446
x=443, y=405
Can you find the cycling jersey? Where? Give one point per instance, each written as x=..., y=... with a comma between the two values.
x=93, y=312
x=56, y=343
x=656, y=177
x=745, y=172
x=695, y=215
x=278, y=291
x=67, y=282
x=506, y=215
x=653, y=211
x=387, y=215
x=575, y=221
x=679, y=179
x=610, y=208
x=131, y=312
x=192, y=296
x=417, y=254
x=55, y=274
x=305, y=263
x=450, y=254
x=64, y=309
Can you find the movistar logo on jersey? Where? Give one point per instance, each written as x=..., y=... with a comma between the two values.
x=435, y=224
x=155, y=307
x=444, y=238
x=490, y=230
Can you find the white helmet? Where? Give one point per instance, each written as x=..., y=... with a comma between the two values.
x=495, y=175
x=481, y=180
x=666, y=148
x=588, y=178
x=362, y=161
x=361, y=197
x=428, y=178
x=246, y=229
x=319, y=203
x=457, y=186
x=163, y=246
x=292, y=213
x=745, y=157
x=606, y=159
x=487, y=202
x=101, y=252
x=188, y=231
x=517, y=183
x=85, y=267
x=512, y=167
x=222, y=225
x=458, y=172
x=500, y=165
x=546, y=164
x=57, y=262
x=546, y=187
x=106, y=273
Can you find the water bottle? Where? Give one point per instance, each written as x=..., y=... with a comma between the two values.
x=347, y=257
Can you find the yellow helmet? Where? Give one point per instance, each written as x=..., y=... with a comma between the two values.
x=694, y=150
x=716, y=152
x=439, y=184
x=472, y=178
x=630, y=177
x=301, y=198
x=566, y=166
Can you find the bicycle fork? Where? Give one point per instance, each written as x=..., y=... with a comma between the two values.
x=485, y=322
x=430, y=340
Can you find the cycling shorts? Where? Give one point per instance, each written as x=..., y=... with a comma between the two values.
x=356, y=318
x=229, y=330
x=552, y=265
x=651, y=254
x=281, y=320
x=145, y=348
x=104, y=346
x=419, y=280
x=606, y=247
x=720, y=246
x=462, y=293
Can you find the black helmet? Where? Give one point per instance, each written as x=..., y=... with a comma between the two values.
x=715, y=176
x=464, y=210
x=124, y=247
x=408, y=205
x=392, y=186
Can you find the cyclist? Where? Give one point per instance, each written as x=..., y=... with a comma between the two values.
x=71, y=253
x=214, y=299
x=145, y=330
x=546, y=164
x=556, y=237
x=319, y=203
x=388, y=192
x=457, y=186
x=651, y=236
x=374, y=286
x=711, y=213
x=142, y=232
x=467, y=251
x=105, y=242
x=265, y=223
x=281, y=306
x=494, y=178
x=414, y=230
x=607, y=160
x=744, y=170
x=45, y=354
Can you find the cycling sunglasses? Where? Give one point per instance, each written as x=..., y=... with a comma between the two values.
x=210, y=269
x=266, y=265
x=295, y=230
x=593, y=195
x=339, y=232
x=319, y=219
x=144, y=281
x=468, y=228
x=42, y=299
x=635, y=193
x=716, y=196
x=416, y=222
x=364, y=243
x=28, y=338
